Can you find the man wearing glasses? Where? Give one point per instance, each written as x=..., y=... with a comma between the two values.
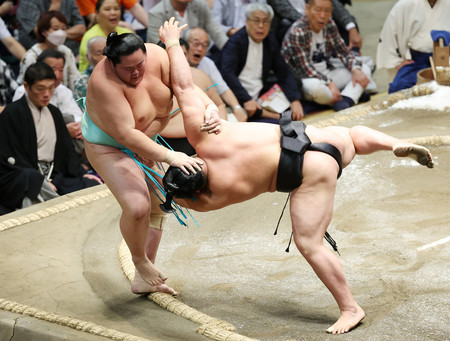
x=247, y=59
x=199, y=42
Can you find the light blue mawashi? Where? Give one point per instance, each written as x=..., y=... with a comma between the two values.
x=150, y=179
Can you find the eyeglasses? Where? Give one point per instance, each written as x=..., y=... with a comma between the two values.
x=197, y=44
x=257, y=22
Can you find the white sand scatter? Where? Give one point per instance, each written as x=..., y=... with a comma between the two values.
x=438, y=100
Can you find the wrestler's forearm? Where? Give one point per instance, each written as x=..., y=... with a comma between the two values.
x=191, y=101
x=204, y=97
x=140, y=144
x=180, y=72
x=191, y=104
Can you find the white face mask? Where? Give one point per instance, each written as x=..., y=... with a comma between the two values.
x=57, y=37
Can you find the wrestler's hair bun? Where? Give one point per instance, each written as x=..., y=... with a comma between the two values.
x=112, y=37
x=183, y=185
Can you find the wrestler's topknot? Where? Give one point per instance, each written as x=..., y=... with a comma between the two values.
x=181, y=185
x=118, y=45
x=111, y=37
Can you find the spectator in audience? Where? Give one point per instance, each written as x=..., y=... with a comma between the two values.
x=7, y=84
x=94, y=54
x=230, y=14
x=12, y=45
x=38, y=161
x=87, y=10
x=307, y=48
x=8, y=10
x=195, y=13
x=134, y=23
x=288, y=11
x=51, y=33
x=7, y=7
x=29, y=11
x=62, y=98
x=198, y=40
x=405, y=43
x=149, y=4
x=248, y=57
x=107, y=17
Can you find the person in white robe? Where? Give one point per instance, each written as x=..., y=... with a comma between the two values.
x=405, y=43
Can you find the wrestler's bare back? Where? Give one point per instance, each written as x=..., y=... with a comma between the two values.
x=111, y=102
x=242, y=161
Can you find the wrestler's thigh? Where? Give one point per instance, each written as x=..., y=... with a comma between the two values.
x=338, y=137
x=120, y=173
x=311, y=205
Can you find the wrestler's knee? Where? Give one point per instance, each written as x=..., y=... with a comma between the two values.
x=137, y=210
x=358, y=133
x=306, y=246
x=358, y=129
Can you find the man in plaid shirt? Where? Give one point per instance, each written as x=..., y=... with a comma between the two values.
x=307, y=49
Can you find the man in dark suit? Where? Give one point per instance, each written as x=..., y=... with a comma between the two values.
x=249, y=57
x=37, y=158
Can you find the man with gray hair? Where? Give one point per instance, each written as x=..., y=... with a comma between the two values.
x=247, y=59
x=230, y=14
x=94, y=54
x=198, y=40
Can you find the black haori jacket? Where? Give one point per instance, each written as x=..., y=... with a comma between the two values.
x=18, y=145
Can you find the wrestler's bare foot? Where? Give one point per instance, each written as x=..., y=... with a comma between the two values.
x=347, y=321
x=139, y=286
x=421, y=154
x=150, y=273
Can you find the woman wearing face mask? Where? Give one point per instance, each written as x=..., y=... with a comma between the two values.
x=107, y=17
x=51, y=34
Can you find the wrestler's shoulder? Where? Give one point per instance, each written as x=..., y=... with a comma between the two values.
x=101, y=76
x=98, y=74
x=154, y=48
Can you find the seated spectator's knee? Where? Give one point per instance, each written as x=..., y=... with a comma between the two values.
x=366, y=70
x=322, y=95
x=400, y=84
x=315, y=90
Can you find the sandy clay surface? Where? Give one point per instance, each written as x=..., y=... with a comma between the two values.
x=391, y=223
